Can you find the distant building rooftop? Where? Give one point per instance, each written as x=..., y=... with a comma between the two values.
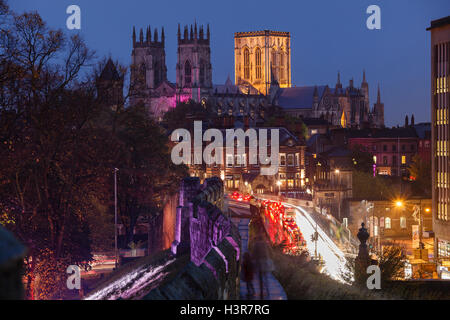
x=439, y=23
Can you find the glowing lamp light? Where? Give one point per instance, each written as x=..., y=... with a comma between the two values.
x=278, y=183
x=399, y=203
x=427, y=209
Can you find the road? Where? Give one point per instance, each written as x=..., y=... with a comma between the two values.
x=333, y=256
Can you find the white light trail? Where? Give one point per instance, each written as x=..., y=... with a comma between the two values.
x=333, y=257
x=132, y=284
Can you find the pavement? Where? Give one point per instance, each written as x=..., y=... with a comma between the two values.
x=276, y=291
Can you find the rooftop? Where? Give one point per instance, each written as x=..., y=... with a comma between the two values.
x=439, y=23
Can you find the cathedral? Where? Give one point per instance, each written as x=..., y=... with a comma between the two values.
x=262, y=80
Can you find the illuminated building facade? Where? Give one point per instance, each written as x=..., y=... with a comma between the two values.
x=262, y=58
x=440, y=133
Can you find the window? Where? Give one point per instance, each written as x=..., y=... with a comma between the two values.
x=290, y=159
x=387, y=223
x=246, y=63
x=403, y=159
x=258, y=63
x=202, y=72
x=394, y=147
x=403, y=222
x=385, y=160
x=282, y=159
x=374, y=147
x=384, y=147
x=187, y=73
x=229, y=160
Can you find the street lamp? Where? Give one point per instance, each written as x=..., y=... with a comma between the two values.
x=115, y=216
x=279, y=187
x=339, y=193
x=400, y=203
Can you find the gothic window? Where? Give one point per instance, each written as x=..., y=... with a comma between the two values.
x=142, y=74
x=246, y=64
x=156, y=68
x=187, y=73
x=274, y=64
x=258, y=63
x=282, y=66
x=202, y=72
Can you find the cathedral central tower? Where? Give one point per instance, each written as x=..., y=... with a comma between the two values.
x=262, y=58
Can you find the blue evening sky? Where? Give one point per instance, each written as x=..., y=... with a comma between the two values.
x=327, y=36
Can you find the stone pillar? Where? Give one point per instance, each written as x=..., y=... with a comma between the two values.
x=362, y=261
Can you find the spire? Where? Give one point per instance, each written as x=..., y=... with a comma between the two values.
x=141, y=36
x=134, y=35
x=195, y=31
x=155, y=37
x=351, y=83
x=406, y=121
x=364, y=76
x=192, y=34
x=412, y=119
x=162, y=35
x=207, y=33
x=201, y=33
x=378, y=95
x=179, y=33
x=185, y=32
x=338, y=84
x=149, y=35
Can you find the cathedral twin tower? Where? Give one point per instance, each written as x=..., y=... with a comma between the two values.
x=149, y=82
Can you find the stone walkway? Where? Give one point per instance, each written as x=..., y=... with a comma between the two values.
x=276, y=291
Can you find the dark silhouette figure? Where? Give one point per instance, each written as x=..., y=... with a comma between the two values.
x=248, y=271
x=262, y=262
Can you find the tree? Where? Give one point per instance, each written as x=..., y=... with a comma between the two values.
x=420, y=173
x=362, y=160
x=146, y=174
x=184, y=114
x=53, y=154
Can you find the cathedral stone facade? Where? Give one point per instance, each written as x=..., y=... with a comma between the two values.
x=262, y=80
x=340, y=106
x=261, y=58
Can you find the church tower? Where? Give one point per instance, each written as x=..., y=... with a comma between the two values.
x=148, y=64
x=193, y=71
x=378, y=111
x=110, y=86
x=262, y=58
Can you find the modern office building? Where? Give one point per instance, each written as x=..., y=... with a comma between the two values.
x=440, y=132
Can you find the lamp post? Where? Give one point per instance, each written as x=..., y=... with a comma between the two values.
x=401, y=204
x=115, y=217
x=339, y=193
x=279, y=187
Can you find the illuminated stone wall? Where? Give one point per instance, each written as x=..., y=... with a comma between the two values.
x=274, y=62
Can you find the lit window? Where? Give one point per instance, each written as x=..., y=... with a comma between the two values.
x=403, y=159
x=290, y=159
x=403, y=222
x=282, y=159
x=246, y=64
x=387, y=223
